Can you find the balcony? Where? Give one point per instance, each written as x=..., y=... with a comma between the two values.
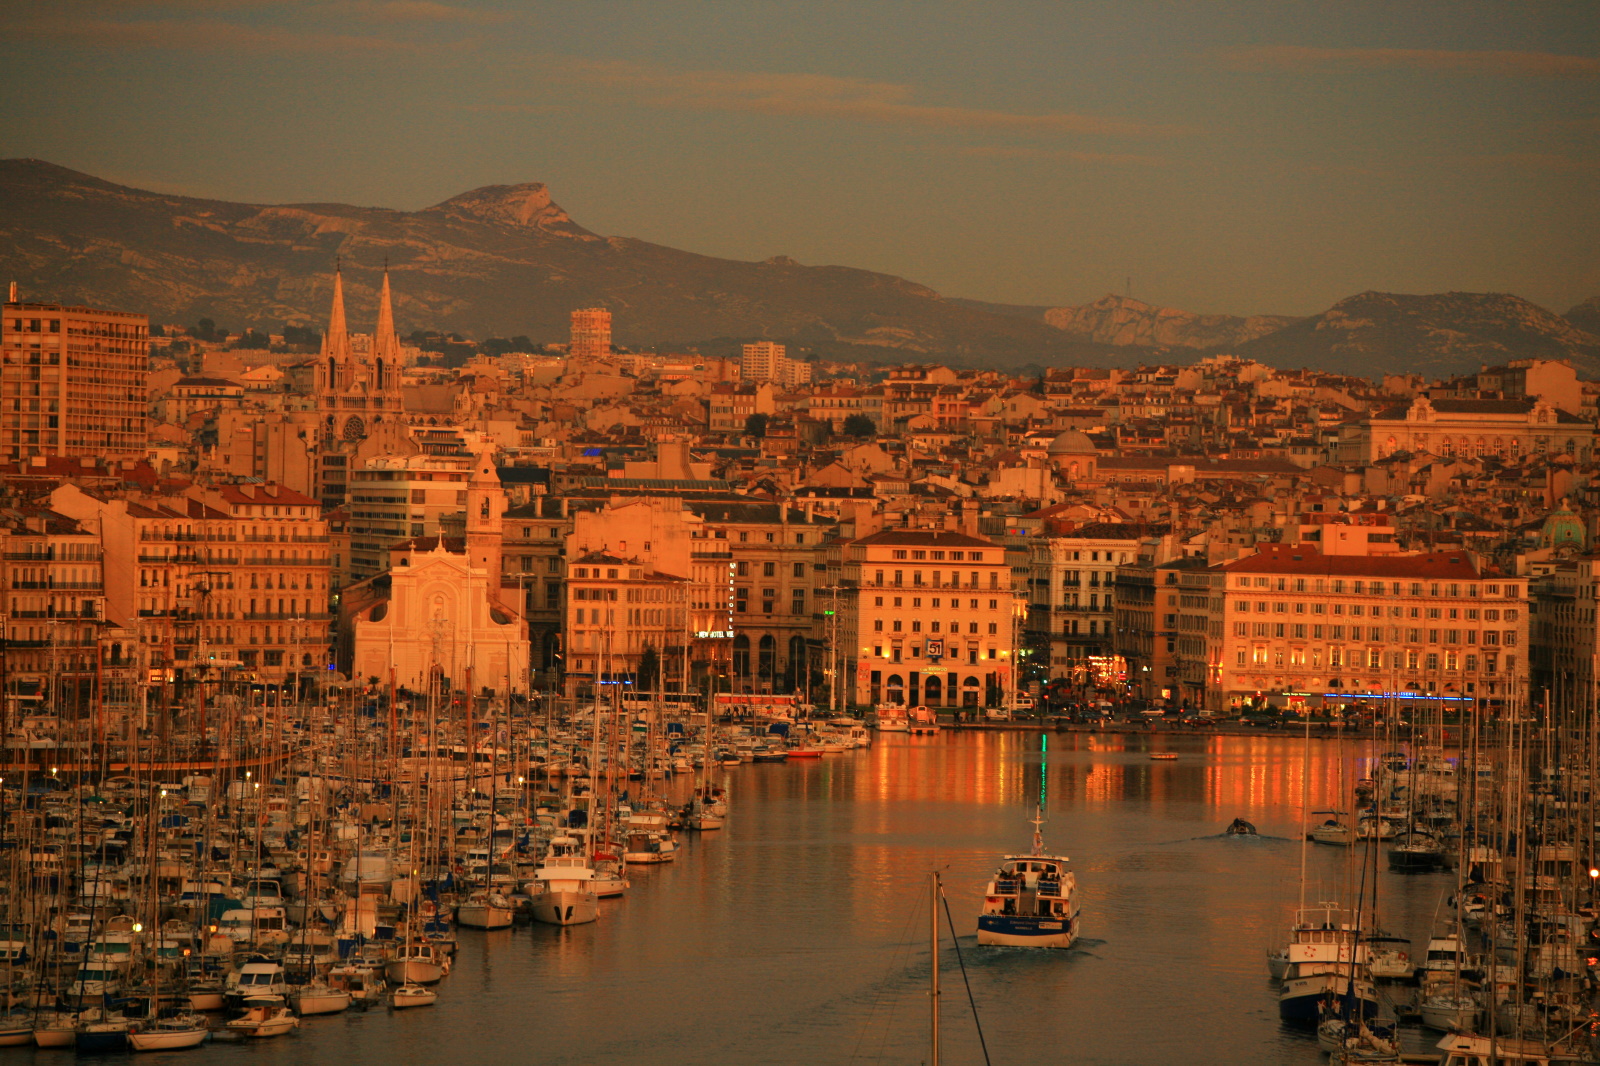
x=282, y=616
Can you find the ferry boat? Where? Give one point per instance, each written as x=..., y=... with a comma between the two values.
x=1327, y=960
x=1031, y=901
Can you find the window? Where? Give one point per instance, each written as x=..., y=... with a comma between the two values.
x=898, y=553
x=741, y=568
x=800, y=571
x=877, y=625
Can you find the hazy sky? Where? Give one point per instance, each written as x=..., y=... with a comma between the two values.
x=1229, y=156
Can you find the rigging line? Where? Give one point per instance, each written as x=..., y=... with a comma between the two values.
x=895, y=962
x=976, y=1021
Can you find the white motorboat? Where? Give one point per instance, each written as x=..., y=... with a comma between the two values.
x=562, y=891
x=485, y=910
x=649, y=848
x=362, y=982
x=262, y=1017
x=1389, y=958
x=412, y=996
x=319, y=998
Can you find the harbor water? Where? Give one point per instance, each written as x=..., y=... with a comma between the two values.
x=799, y=934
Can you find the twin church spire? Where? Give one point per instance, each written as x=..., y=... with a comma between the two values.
x=357, y=383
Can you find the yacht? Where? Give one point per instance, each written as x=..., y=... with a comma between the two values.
x=562, y=890
x=1030, y=901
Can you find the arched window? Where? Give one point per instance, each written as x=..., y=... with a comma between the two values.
x=741, y=656
x=897, y=689
x=378, y=380
x=797, y=661
x=767, y=660
x=932, y=690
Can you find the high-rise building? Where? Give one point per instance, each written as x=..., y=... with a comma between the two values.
x=766, y=361
x=591, y=334
x=73, y=382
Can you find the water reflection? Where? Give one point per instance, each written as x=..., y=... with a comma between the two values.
x=798, y=934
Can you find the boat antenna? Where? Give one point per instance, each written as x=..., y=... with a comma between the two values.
x=1044, y=792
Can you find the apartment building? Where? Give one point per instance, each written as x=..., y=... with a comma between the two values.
x=72, y=381
x=766, y=361
x=394, y=498
x=931, y=619
x=235, y=575
x=1302, y=626
x=55, y=621
x=1072, y=595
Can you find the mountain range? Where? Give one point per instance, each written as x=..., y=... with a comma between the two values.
x=506, y=260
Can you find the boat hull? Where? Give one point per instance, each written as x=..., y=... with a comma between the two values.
x=564, y=908
x=100, y=1041
x=1012, y=931
x=413, y=971
x=484, y=916
x=55, y=1036
x=330, y=1001
x=167, y=1039
x=1301, y=999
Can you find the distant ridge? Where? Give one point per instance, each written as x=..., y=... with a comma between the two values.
x=507, y=260
x=1437, y=335
x=499, y=260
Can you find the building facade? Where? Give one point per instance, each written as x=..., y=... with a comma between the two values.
x=931, y=619
x=72, y=381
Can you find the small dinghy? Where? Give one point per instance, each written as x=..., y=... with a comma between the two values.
x=1240, y=828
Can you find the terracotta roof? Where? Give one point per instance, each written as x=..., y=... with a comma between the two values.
x=931, y=538
x=1306, y=559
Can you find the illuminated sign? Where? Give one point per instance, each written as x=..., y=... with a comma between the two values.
x=935, y=648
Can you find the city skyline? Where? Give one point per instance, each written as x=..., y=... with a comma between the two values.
x=1244, y=159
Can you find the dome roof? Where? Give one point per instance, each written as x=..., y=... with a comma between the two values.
x=1071, y=443
x=1563, y=528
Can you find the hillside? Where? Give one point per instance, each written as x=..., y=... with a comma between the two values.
x=1436, y=335
x=501, y=260
x=1124, y=321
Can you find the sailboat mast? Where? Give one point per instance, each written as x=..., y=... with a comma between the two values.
x=933, y=969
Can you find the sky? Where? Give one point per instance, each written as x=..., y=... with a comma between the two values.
x=1237, y=156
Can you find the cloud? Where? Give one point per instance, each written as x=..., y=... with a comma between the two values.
x=1298, y=59
x=1001, y=151
x=1549, y=161
x=208, y=34
x=824, y=96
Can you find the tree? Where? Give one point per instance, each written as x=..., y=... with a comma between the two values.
x=859, y=426
x=649, y=668
x=251, y=339
x=756, y=425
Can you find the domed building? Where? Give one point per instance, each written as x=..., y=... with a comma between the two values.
x=1563, y=529
x=1074, y=455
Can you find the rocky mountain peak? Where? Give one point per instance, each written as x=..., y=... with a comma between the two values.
x=1123, y=321
x=527, y=204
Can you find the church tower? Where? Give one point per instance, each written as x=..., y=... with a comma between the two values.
x=358, y=378
x=486, y=504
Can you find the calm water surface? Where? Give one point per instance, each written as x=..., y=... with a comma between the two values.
x=799, y=933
